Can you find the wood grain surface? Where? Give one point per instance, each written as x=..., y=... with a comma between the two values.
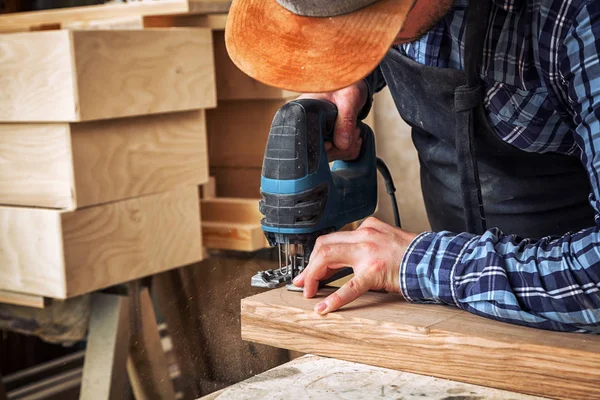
x=232, y=236
x=314, y=377
x=36, y=167
x=71, y=76
x=232, y=224
x=37, y=77
x=237, y=182
x=238, y=132
x=63, y=254
x=125, y=73
x=75, y=165
x=383, y=330
x=128, y=157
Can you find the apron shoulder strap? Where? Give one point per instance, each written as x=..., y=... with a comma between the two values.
x=466, y=100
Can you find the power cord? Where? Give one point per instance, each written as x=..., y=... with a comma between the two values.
x=390, y=189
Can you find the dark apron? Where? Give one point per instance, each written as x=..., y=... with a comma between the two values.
x=471, y=179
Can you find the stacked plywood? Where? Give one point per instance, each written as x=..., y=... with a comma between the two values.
x=102, y=148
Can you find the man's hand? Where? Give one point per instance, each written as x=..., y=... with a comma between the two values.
x=374, y=251
x=346, y=136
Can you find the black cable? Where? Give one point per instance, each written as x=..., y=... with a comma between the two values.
x=390, y=189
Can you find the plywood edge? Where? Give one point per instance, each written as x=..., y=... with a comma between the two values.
x=231, y=236
x=32, y=19
x=41, y=84
x=378, y=333
x=22, y=299
x=232, y=210
x=36, y=167
x=31, y=257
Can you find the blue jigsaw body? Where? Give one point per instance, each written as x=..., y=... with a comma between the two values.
x=302, y=196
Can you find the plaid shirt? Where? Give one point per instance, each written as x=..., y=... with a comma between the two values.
x=541, y=70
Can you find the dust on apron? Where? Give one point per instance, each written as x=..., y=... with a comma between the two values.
x=471, y=179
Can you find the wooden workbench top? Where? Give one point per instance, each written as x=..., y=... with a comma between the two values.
x=314, y=377
x=385, y=331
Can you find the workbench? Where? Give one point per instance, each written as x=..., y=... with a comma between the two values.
x=314, y=377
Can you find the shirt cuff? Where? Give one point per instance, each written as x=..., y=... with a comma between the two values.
x=427, y=268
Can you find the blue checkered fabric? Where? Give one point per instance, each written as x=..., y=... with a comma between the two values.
x=541, y=71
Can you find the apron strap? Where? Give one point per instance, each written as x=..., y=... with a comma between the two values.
x=467, y=99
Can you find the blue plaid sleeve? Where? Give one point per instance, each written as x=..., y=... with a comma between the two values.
x=552, y=283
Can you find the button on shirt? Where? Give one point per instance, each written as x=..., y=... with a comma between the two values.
x=541, y=72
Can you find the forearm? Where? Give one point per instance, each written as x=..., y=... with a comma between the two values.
x=549, y=284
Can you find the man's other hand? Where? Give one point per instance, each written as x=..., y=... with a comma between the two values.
x=374, y=251
x=346, y=138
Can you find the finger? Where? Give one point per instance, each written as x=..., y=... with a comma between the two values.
x=299, y=280
x=311, y=282
x=337, y=237
x=373, y=223
x=327, y=257
x=350, y=291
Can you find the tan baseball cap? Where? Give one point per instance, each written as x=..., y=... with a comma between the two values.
x=312, y=45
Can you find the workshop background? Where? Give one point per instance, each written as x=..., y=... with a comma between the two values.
x=96, y=130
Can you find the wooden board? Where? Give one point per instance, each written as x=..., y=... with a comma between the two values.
x=212, y=21
x=232, y=224
x=314, y=377
x=104, y=368
x=22, y=299
x=75, y=165
x=383, y=330
x=71, y=76
x=62, y=254
x=238, y=132
x=25, y=21
x=237, y=182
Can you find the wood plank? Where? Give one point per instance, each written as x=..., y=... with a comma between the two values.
x=180, y=312
x=212, y=21
x=22, y=299
x=62, y=254
x=143, y=72
x=148, y=360
x=104, y=368
x=242, y=211
x=118, y=159
x=232, y=224
x=233, y=84
x=72, y=76
x=209, y=6
x=237, y=182
x=117, y=23
x=38, y=77
x=76, y=165
x=383, y=330
x=209, y=189
x=26, y=20
x=231, y=236
x=238, y=132
x=36, y=166
x=314, y=377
